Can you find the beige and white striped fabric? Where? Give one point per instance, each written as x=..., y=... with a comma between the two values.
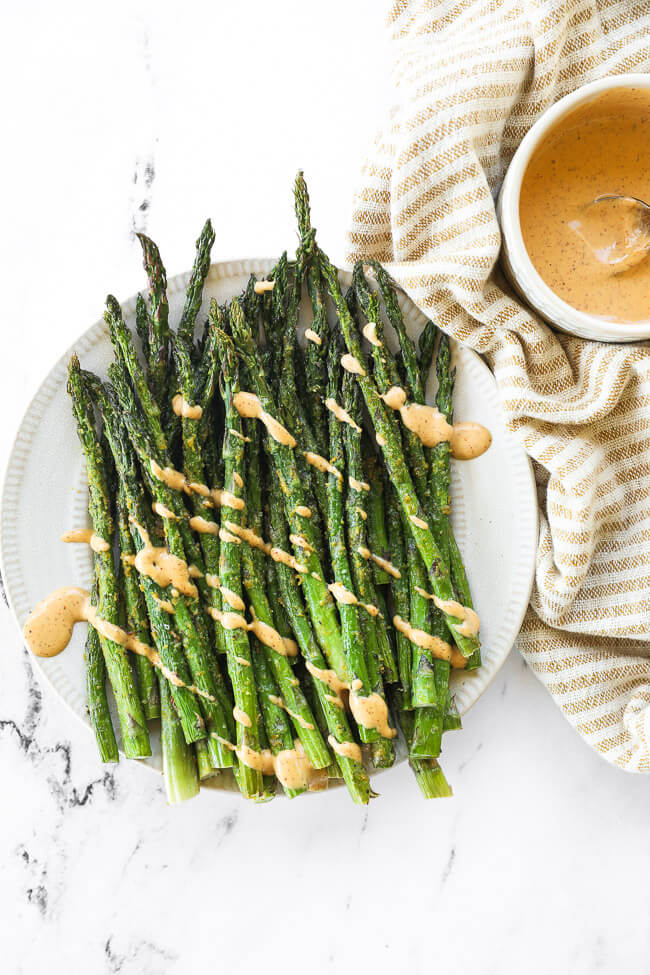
x=472, y=76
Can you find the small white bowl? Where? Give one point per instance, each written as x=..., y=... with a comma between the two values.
x=516, y=262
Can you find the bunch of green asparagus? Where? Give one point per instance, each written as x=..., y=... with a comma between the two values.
x=307, y=529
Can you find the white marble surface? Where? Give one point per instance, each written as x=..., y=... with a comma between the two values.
x=153, y=116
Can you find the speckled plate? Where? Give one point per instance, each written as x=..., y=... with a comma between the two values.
x=44, y=494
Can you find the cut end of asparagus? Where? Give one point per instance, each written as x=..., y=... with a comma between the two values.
x=431, y=779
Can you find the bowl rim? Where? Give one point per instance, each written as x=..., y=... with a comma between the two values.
x=527, y=278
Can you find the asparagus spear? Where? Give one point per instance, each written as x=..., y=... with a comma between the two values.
x=428, y=774
x=292, y=408
x=357, y=519
x=376, y=524
x=142, y=325
x=314, y=353
x=136, y=614
x=204, y=764
x=98, y=711
x=179, y=760
x=158, y=346
x=195, y=473
x=378, y=657
x=391, y=448
x=353, y=643
x=400, y=593
x=441, y=472
x=237, y=643
x=135, y=738
x=194, y=294
x=427, y=348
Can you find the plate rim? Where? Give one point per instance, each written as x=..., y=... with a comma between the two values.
x=38, y=404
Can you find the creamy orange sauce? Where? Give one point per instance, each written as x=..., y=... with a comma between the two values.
x=159, y=508
x=347, y=749
x=173, y=479
x=164, y=568
x=48, y=631
x=370, y=333
x=351, y=364
x=371, y=712
x=87, y=537
x=268, y=635
x=598, y=148
x=470, y=623
x=321, y=464
x=220, y=497
x=182, y=408
x=248, y=405
x=437, y=647
x=466, y=440
x=384, y=564
x=260, y=287
x=300, y=542
x=395, y=398
x=358, y=485
x=341, y=414
x=303, y=511
x=227, y=536
x=241, y=717
x=279, y=703
x=291, y=767
x=347, y=598
x=255, y=541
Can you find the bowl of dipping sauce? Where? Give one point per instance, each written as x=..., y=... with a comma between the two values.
x=584, y=266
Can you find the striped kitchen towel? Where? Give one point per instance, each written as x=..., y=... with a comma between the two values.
x=471, y=77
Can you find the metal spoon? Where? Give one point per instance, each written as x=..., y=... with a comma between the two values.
x=617, y=229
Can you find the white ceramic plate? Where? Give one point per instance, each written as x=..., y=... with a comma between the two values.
x=44, y=494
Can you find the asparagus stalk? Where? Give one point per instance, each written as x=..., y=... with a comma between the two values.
x=314, y=353
x=400, y=593
x=428, y=774
x=427, y=348
x=136, y=614
x=135, y=738
x=376, y=524
x=194, y=293
x=98, y=711
x=441, y=471
x=158, y=345
x=378, y=650
x=179, y=760
x=353, y=642
x=237, y=643
x=142, y=325
x=357, y=518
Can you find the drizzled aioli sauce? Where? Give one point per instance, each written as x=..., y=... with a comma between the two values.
x=599, y=148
